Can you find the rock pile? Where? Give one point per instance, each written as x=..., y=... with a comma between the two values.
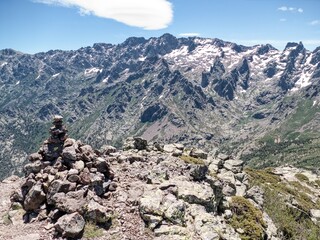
x=65, y=183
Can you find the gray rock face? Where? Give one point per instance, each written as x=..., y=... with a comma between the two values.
x=70, y=225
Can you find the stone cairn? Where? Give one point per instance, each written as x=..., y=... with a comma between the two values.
x=64, y=184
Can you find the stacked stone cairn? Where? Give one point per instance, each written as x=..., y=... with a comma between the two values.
x=64, y=184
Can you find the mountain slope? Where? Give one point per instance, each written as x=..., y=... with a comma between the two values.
x=204, y=92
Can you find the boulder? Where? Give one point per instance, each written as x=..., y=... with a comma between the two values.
x=70, y=225
x=70, y=202
x=97, y=213
x=150, y=203
x=34, y=157
x=174, y=209
x=101, y=165
x=169, y=148
x=55, y=187
x=107, y=149
x=69, y=154
x=223, y=157
x=198, y=172
x=33, y=167
x=235, y=166
x=315, y=213
x=198, y=153
x=196, y=193
x=256, y=194
x=34, y=198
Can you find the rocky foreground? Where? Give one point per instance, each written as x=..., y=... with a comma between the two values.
x=154, y=191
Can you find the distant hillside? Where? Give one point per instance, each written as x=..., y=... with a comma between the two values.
x=200, y=92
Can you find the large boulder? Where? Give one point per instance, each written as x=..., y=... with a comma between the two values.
x=70, y=225
x=70, y=202
x=235, y=166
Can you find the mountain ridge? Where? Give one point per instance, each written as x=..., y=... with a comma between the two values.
x=204, y=92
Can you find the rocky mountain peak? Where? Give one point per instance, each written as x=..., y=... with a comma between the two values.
x=197, y=91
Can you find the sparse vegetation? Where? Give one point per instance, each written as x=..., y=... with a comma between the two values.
x=247, y=217
x=192, y=160
x=301, y=177
x=292, y=221
x=91, y=230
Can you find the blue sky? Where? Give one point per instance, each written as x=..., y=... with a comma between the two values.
x=34, y=26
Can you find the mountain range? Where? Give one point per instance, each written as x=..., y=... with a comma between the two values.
x=258, y=103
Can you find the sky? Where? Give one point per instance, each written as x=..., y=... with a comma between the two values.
x=32, y=26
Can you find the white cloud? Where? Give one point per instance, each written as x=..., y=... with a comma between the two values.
x=315, y=22
x=146, y=14
x=283, y=8
x=290, y=9
x=189, y=34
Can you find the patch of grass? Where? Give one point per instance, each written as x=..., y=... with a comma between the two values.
x=247, y=217
x=293, y=223
x=260, y=177
x=298, y=186
x=91, y=230
x=192, y=160
x=301, y=177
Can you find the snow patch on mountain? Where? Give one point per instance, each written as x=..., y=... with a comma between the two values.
x=55, y=75
x=93, y=70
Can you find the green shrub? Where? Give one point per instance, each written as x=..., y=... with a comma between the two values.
x=247, y=217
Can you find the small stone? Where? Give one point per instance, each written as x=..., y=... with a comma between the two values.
x=79, y=165
x=73, y=172
x=74, y=178
x=113, y=187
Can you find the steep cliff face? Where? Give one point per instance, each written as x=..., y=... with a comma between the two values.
x=204, y=92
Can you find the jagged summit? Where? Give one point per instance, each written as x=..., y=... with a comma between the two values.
x=196, y=91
